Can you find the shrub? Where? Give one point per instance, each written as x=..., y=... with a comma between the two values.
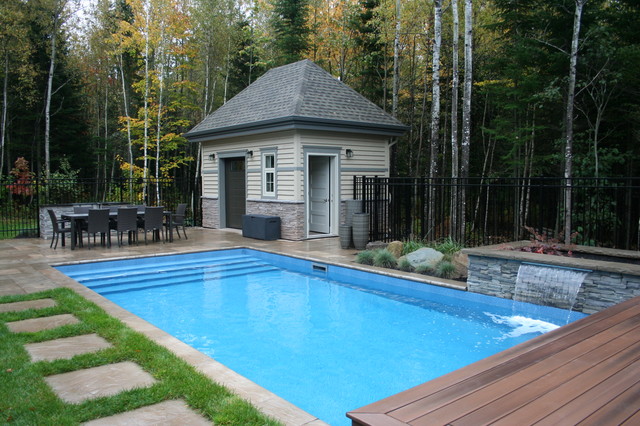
x=384, y=259
x=424, y=269
x=411, y=246
x=404, y=265
x=365, y=257
x=445, y=269
x=448, y=246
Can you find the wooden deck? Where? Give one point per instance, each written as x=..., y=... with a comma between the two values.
x=587, y=372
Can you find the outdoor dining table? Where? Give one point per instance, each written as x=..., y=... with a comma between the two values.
x=76, y=220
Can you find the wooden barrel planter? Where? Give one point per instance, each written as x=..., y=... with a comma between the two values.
x=360, y=230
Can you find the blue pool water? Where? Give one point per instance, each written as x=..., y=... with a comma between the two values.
x=326, y=338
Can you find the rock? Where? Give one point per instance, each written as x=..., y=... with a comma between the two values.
x=461, y=262
x=376, y=245
x=425, y=255
x=395, y=247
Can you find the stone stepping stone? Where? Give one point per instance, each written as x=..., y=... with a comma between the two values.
x=167, y=413
x=33, y=325
x=29, y=304
x=96, y=382
x=66, y=348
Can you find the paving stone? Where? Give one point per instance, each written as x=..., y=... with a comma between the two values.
x=33, y=325
x=30, y=304
x=96, y=382
x=168, y=413
x=66, y=348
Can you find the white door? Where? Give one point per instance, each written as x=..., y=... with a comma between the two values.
x=320, y=194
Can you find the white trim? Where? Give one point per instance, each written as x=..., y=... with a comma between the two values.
x=334, y=154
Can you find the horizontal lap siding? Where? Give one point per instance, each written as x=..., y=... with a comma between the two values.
x=210, y=169
x=370, y=155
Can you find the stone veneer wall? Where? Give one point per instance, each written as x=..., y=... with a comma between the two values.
x=291, y=215
x=46, y=228
x=607, y=284
x=210, y=213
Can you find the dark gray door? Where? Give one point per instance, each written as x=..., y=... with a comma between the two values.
x=235, y=195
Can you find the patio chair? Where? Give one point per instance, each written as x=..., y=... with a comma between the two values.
x=58, y=228
x=127, y=221
x=177, y=220
x=98, y=223
x=153, y=222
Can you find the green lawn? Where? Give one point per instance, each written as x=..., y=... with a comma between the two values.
x=26, y=399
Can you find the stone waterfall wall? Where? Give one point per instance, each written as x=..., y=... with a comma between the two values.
x=494, y=272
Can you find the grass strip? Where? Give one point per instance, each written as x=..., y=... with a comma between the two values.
x=25, y=398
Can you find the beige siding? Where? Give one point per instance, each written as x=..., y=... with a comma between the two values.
x=281, y=141
x=370, y=155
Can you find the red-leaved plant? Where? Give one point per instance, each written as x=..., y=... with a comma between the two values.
x=544, y=244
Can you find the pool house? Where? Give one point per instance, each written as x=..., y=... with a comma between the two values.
x=289, y=146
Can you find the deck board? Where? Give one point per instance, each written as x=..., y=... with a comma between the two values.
x=586, y=371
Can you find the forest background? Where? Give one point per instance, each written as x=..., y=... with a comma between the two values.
x=488, y=87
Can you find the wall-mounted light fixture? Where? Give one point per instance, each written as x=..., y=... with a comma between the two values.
x=250, y=153
x=212, y=156
x=349, y=153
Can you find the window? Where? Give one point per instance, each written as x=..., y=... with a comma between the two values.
x=269, y=175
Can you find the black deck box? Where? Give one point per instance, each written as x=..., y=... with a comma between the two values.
x=261, y=227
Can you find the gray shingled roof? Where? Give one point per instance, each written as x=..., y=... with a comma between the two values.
x=298, y=95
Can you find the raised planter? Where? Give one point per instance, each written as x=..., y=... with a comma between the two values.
x=613, y=276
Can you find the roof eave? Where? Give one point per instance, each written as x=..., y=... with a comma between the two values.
x=297, y=123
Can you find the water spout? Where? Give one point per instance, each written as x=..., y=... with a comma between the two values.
x=548, y=285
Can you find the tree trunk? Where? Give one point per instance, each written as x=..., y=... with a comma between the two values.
x=453, y=228
x=466, y=107
x=435, y=109
x=396, y=62
x=47, y=107
x=145, y=169
x=5, y=106
x=128, y=117
x=568, y=150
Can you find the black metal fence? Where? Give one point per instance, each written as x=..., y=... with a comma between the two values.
x=605, y=211
x=20, y=201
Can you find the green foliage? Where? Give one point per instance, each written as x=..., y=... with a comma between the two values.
x=384, y=259
x=404, y=265
x=424, y=269
x=445, y=269
x=448, y=246
x=291, y=30
x=411, y=246
x=365, y=257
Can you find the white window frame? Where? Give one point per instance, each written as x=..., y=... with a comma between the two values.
x=266, y=171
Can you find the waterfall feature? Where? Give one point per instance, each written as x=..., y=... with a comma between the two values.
x=548, y=285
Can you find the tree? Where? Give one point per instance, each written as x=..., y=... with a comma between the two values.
x=291, y=30
x=568, y=151
x=466, y=104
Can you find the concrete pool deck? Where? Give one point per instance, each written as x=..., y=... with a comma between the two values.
x=25, y=267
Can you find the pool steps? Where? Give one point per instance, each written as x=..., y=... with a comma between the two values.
x=171, y=274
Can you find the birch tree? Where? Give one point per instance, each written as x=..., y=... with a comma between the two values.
x=568, y=119
x=466, y=106
x=435, y=107
x=56, y=14
x=454, y=114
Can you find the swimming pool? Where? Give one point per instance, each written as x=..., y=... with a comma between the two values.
x=328, y=339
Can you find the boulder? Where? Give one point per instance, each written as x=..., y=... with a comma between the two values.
x=376, y=245
x=461, y=262
x=395, y=247
x=425, y=255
